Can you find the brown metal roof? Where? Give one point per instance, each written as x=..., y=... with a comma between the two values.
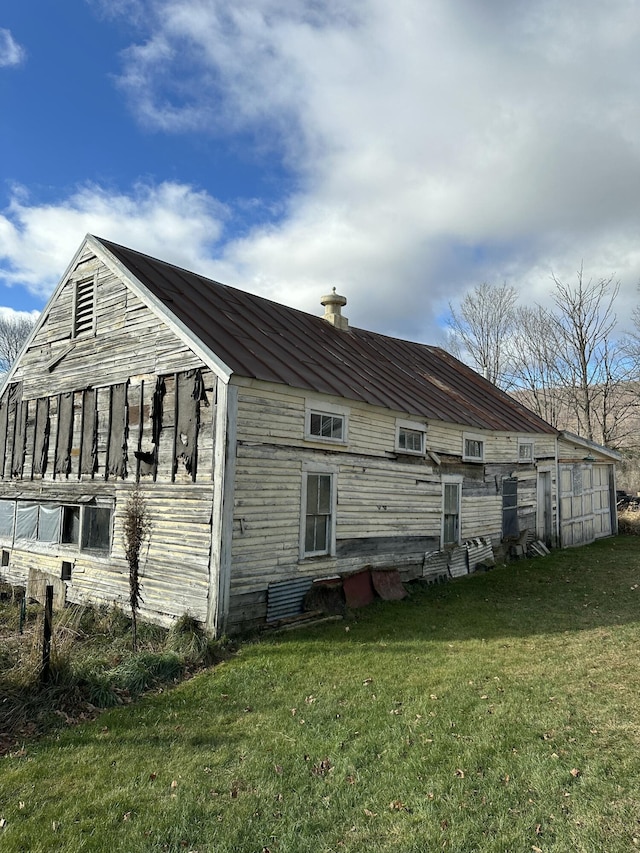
x=261, y=339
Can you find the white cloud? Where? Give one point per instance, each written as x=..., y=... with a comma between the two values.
x=171, y=221
x=8, y=313
x=11, y=53
x=435, y=144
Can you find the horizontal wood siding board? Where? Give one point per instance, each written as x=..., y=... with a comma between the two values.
x=247, y=610
x=126, y=330
x=174, y=561
x=389, y=546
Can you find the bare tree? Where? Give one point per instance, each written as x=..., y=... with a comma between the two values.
x=14, y=331
x=590, y=365
x=617, y=409
x=568, y=366
x=564, y=362
x=533, y=356
x=480, y=329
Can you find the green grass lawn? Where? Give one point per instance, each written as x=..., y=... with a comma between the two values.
x=496, y=713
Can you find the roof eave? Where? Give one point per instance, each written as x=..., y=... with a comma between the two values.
x=590, y=445
x=43, y=315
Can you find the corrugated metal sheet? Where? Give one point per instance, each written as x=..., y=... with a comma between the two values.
x=480, y=551
x=263, y=340
x=458, y=562
x=284, y=599
x=436, y=565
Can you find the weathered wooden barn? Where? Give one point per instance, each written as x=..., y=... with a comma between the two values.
x=272, y=447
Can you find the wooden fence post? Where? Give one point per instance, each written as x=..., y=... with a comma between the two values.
x=46, y=636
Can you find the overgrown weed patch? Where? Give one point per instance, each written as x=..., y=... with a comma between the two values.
x=92, y=666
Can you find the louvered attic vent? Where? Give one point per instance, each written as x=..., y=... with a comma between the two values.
x=84, y=314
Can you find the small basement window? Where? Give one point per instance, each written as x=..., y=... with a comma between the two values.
x=65, y=572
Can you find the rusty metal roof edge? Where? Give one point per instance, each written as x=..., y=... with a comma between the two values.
x=101, y=248
x=400, y=363
x=477, y=379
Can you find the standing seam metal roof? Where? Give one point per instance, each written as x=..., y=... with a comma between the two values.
x=260, y=339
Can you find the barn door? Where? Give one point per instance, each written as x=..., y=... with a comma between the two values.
x=601, y=501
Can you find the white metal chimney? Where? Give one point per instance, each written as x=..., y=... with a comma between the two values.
x=333, y=304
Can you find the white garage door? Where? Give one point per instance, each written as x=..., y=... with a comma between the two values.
x=585, y=509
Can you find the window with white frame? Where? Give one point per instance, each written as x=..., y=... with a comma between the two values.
x=410, y=437
x=525, y=451
x=84, y=297
x=326, y=423
x=318, y=529
x=451, y=492
x=96, y=528
x=472, y=447
x=87, y=527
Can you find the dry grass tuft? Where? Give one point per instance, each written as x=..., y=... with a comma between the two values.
x=629, y=522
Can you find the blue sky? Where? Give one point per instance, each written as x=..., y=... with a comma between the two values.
x=402, y=152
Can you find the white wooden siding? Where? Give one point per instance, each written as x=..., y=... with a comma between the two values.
x=127, y=333
x=481, y=516
x=375, y=499
x=130, y=346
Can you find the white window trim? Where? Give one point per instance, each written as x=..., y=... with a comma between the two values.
x=526, y=442
x=60, y=547
x=317, y=467
x=472, y=436
x=321, y=408
x=415, y=426
x=451, y=479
